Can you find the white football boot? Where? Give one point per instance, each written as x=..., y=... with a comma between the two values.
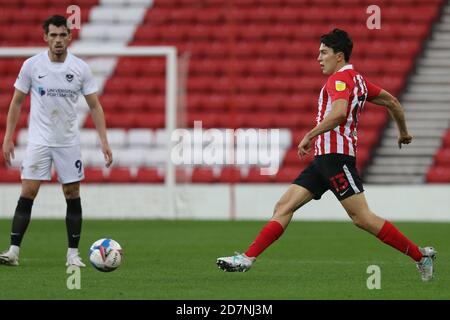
x=8, y=258
x=237, y=263
x=74, y=260
x=425, y=265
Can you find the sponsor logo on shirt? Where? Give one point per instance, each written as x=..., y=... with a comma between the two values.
x=41, y=91
x=69, y=77
x=340, y=85
x=62, y=93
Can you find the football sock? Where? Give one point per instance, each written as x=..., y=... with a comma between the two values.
x=21, y=220
x=271, y=232
x=72, y=252
x=390, y=235
x=73, y=221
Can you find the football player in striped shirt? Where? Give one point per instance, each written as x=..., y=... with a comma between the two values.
x=340, y=103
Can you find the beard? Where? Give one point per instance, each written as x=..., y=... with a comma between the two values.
x=59, y=51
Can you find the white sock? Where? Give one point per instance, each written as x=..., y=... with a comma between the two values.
x=14, y=249
x=71, y=252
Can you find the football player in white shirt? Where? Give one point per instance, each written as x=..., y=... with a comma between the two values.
x=55, y=78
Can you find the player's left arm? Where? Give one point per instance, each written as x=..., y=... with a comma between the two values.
x=337, y=115
x=98, y=116
x=395, y=109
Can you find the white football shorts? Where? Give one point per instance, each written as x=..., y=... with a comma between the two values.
x=37, y=164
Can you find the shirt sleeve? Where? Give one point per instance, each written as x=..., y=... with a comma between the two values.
x=89, y=85
x=23, y=81
x=337, y=87
x=372, y=90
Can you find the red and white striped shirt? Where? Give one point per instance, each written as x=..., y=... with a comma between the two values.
x=350, y=85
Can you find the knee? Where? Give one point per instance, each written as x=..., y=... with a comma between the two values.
x=282, y=209
x=71, y=192
x=361, y=220
x=29, y=193
x=360, y=223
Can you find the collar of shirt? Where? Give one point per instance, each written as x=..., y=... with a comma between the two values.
x=346, y=67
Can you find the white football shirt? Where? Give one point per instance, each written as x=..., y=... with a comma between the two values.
x=55, y=89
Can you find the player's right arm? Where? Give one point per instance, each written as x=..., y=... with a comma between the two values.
x=395, y=109
x=11, y=122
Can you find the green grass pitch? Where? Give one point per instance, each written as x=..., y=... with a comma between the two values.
x=176, y=260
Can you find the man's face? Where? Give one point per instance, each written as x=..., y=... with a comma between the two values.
x=328, y=59
x=58, y=38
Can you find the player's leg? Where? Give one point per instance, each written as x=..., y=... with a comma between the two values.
x=36, y=167
x=295, y=197
x=20, y=221
x=306, y=187
x=73, y=221
x=70, y=171
x=345, y=183
x=358, y=210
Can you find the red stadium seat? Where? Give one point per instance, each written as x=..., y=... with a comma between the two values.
x=446, y=140
x=291, y=158
x=300, y=102
x=255, y=176
x=203, y=175
x=230, y=175
x=149, y=175
x=246, y=102
x=93, y=175
x=268, y=103
x=117, y=85
x=209, y=120
x=287, y=174
x=251, y=120
x=297, y=135
x=148, y=120
x=262, y=71
x=120, y=175
x=119, y=120
x=438, y=175
x=212, y=103
x=110, y=101
x=370, y=119
x=289, y=120
x=368, y=137
x=362, y=158
x=8, y=175
x=442, y=157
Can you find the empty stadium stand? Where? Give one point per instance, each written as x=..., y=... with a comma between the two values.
x=252, y=65
x=426, y=101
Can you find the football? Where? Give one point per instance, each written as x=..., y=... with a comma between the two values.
x=105, y=255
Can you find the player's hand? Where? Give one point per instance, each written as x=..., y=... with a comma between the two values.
x=404, y=139
x=304, y=147
x=8, y=151
x=108, y=155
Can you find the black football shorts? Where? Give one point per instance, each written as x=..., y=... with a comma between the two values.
x=335, y=172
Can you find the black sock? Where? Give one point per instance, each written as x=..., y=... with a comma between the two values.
x=73, y=221
x=21, y=220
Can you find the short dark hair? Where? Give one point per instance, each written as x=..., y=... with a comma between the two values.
x=339, y=41
x=55, y=20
